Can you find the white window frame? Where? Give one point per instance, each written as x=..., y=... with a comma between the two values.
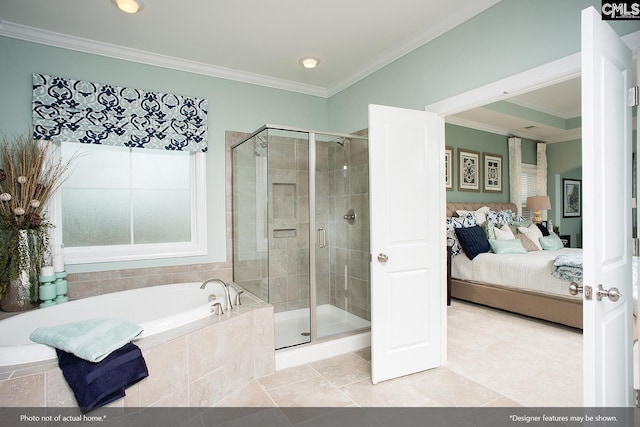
x=139, y=252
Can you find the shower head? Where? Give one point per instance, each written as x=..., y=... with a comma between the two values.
x=341, y=141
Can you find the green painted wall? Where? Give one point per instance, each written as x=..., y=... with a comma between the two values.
x=232, y=106
x=564, y=160
x=511, y=37
x=459, y=137
x=491, y=46
x=483, y=142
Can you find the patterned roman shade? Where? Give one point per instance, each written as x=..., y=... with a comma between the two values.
x=93, y=113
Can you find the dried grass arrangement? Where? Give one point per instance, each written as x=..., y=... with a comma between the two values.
x=29, y=178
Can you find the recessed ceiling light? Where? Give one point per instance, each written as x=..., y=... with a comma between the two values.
x=309, y=62
x=129, y=6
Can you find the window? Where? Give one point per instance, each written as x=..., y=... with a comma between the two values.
x=131, y=204
x=528, y=187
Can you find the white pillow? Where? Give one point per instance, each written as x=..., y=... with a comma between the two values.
x=481, y=214
x=504, y=233
x=533, y=233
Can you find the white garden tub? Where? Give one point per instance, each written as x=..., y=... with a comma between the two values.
x=156, y=309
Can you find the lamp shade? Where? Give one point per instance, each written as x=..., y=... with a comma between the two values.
x=538, y=203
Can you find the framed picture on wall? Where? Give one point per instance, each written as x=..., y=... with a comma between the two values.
x=448, y=168
x=571, y=198
x=468, y=170
x=492, y=172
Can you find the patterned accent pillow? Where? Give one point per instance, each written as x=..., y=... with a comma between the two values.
x=453, y=222
x=527, y=243
x=481, y=214
x=533, y=233
x=489, y=229
x=518, y=218
x=519, y=221
x=501, y=217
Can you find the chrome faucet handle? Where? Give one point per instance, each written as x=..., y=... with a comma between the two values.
x=216, y=308
x=238, y=302
x=212, y=297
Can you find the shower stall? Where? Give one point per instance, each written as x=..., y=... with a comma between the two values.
x=301, y=230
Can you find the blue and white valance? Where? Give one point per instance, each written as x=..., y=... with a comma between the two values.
x=92, y=113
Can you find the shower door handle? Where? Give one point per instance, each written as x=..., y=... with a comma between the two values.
x=321, y=237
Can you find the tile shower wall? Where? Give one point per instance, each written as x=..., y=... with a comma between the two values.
x=288, y=213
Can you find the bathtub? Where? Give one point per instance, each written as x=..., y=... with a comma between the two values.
x=156, y=309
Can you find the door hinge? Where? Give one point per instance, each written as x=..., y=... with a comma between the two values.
x=636, y=393
x=634, y=96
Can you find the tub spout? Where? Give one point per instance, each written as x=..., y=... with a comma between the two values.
x=225, y=288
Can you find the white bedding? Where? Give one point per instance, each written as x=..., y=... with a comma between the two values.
x=530, y=271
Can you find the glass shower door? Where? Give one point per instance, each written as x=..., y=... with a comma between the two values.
x=342, y=235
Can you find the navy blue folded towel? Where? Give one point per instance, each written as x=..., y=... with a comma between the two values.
x=97, y=384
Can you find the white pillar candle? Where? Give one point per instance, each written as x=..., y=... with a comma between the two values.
x=58, y=263
x=47, y=271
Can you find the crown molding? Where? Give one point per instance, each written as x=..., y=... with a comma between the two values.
x=568, y=135
x=51, y=38
x=473, y=9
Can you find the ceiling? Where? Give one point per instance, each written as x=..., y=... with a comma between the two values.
x=262, y=41
x=541, y=115
x=254, y=40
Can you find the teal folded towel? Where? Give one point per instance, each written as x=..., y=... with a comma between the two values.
x=92, y=339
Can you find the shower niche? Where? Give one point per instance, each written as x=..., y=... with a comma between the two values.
x=296, y=243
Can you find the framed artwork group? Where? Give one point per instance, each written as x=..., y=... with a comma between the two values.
x=475, y=172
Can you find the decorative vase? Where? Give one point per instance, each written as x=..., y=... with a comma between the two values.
x=22, y=291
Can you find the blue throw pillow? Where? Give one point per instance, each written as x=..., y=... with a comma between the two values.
x=473, y=240
x=543, y=229
x=513, y=246
x=551, y=242
x=452, y=223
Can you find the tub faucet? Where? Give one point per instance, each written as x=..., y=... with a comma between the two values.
x=216, y=308
x=225, y=288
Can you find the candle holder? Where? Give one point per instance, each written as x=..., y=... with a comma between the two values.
x=61, y=287
x=47, y=291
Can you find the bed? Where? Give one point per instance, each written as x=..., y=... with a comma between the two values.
x=520, y=283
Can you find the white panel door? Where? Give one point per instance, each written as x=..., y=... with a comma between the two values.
x=408, y=243
x=606, y=211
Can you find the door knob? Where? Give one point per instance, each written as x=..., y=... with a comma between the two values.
x=574, y=288
x=382, y=258
x=613, y=294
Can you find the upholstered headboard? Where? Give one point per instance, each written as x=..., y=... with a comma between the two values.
x=452, y=207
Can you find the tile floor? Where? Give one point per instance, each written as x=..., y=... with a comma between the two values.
x=494, y=359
